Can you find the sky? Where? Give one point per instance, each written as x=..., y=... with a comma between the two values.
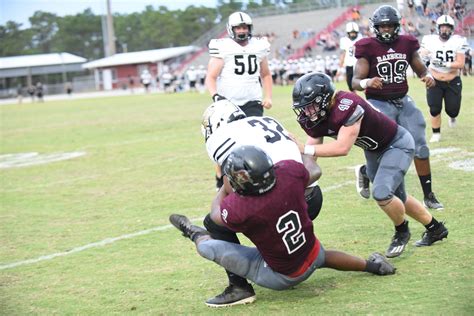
x=20, y=10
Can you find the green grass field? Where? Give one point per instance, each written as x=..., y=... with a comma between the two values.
x=90, y=235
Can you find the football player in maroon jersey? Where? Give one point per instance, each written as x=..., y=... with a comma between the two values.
x=389, y=149
x=381, y=70
x=268, y=206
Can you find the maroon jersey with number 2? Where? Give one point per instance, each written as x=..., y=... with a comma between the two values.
x=277, y=222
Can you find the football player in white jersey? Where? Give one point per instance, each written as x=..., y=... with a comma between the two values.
x=445, y=53
x=226, y=127
x=238, y=67
x=347, y=58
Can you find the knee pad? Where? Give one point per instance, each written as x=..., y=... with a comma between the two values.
x=220, y=232
x=314, y=199
x=435, y=112
x=381, y=192
x=422, y=152
x=206, y=250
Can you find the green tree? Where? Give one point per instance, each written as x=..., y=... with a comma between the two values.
x=14, y=40
x=80, y=34
x=44, y=26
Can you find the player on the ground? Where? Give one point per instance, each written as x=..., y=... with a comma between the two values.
x=446, y=54
x=226, y=127
x=388, y=148
x=381, y=70
x=268, y=206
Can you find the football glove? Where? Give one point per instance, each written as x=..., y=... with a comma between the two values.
x=438, y=63
x=217, y=97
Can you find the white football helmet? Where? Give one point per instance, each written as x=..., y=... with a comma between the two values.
x=219, y=114
x=236, y=19
x=445, y=20
x=352, y=27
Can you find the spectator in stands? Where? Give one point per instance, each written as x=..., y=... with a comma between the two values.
x=468, y=63
x=68, y=88
x=146, y=79
x=131, y=84
x=192, y=76
x=355, y=15
x=19, y=93
x=31, y=91
x=412, y=30
x=39, y=91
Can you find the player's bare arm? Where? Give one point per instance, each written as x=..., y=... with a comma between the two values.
x=342, y=145
x=267, y=83
x=420, y=69
x=214, y=69
x=312, y=167
x=360, y=81
x=215, y=206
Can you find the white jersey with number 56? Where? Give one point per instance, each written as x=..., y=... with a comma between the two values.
x=239, y=78
x=264, y=132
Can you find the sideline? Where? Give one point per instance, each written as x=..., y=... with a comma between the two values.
x=126, y=236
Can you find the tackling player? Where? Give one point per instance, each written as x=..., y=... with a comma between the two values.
x=446, y=54
x=389, y=149
x=381, y=70
x=268, y=206
x=226, y=127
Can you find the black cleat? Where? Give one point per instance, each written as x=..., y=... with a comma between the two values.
x=233, y=295
x=432, y=202
x=398, y=244
x=190, y=231
x=385, y=267
x=362, y=182
x=428, y=237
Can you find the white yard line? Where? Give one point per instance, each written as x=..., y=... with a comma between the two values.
x=114, y=239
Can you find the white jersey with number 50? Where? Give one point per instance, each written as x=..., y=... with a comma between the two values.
x=239, y=78
x=264, y=132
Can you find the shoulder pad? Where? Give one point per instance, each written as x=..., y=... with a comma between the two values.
x=356, y=115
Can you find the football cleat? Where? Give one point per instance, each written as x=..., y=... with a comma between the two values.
x=398, y=244
x=452, y=122
x=435, y=138
x=385, y=267
x=362, y=182
x=430, y=237
x=190, y=231
x=432, y=202
x=233, y=295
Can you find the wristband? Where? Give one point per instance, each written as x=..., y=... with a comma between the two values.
x=363, y=83
x=309, y=150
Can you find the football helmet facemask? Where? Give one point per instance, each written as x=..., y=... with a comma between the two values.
x=386, y=15
x=236, y=19
x=445, y=20
x=312, y=95
x=249, y=171
x=218, y=114
x=352, y=30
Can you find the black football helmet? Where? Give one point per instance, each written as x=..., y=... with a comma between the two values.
x=249, y=170
x=386, y=15
x=312, y=96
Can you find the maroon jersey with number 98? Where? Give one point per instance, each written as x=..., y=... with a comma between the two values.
x=388, y=61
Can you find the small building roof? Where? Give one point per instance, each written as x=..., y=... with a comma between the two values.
x=146, y=56
x=39, y=60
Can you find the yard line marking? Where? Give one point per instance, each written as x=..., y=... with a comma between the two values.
x=126, y=236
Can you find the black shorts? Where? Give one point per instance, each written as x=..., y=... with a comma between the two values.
x=252, y=108
x=450, y=92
